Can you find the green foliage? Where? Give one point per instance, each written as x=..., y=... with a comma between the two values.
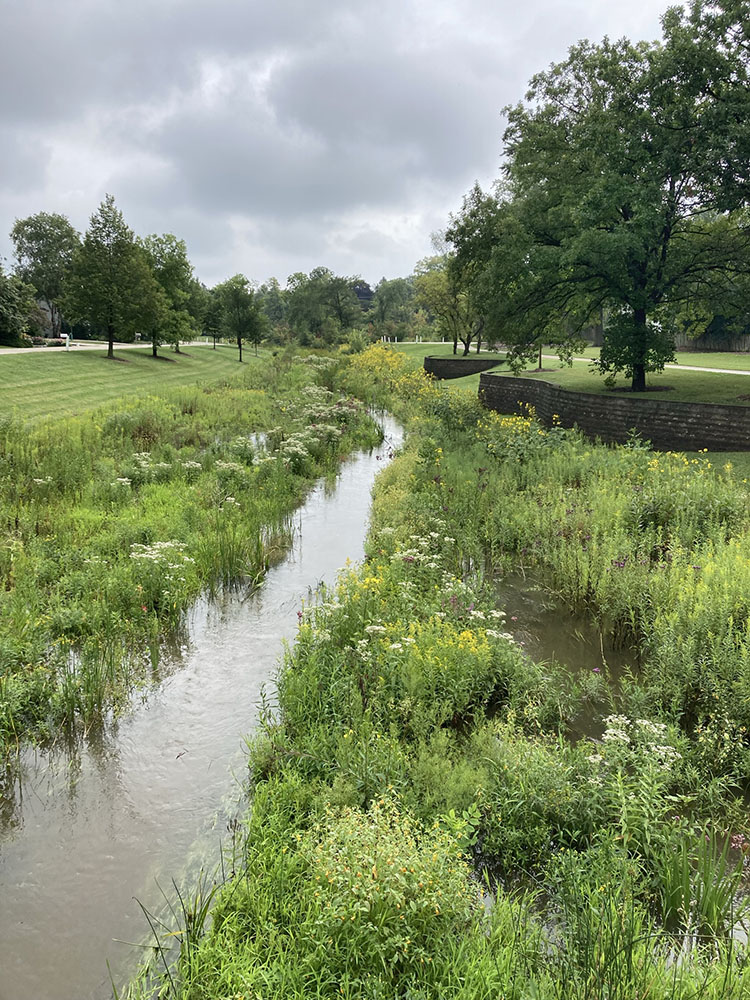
x=45, y=246
x=455, y=311
x=173, y=272
x=321, y=306
x=241, y=318
x=116, y=521
x=108, y=276
x=411, y=736
x=16, y=308
x=609, y=201
x=385, y=891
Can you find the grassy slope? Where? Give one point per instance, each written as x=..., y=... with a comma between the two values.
x=41, y=385
x=686, y=386
x=738, y=361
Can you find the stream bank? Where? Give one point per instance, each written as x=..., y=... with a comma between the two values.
x=92, y=831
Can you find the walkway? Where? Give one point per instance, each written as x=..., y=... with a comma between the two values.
x=93, y=345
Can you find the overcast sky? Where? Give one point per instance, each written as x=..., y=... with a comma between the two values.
x=274, y=136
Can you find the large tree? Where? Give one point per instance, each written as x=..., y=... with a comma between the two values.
x=454, y=308
x=242, y=318
x=174, y=272
x=322, y=305
x=45, y=244
x=392, y=305
x=107, y=276
x=620, y=166
x=16, y=307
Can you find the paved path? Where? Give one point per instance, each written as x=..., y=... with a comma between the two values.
x=686, y=368
x=89, y=345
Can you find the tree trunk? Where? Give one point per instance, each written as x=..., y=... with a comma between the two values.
x=110, y=341
x=214, y=343
x=154, y=347
x=239, y=345
x=539, y=367
x=639, y=351
x=55, y=318
x=455, y=343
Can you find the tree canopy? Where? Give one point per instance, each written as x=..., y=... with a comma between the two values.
x=16, y=306
x=241, y=315
x=45, y=244
x=452, y=306
x=173, y=271
x=110, y=279
x=625, y=182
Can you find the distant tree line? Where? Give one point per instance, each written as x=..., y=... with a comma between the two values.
x=113, y=285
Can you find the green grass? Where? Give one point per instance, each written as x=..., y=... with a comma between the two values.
x=61, y=383
x=674, y=384
x=679, y=385
x=737, y=361
x=379, y=778
x=115, y=520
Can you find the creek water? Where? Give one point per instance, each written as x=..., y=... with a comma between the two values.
x=87, y=832
x=546, y=630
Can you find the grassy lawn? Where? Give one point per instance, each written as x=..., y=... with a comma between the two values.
x=737, y=361
x=41, y=385
x=687, y=386
x=673, y=384
x=679, y=385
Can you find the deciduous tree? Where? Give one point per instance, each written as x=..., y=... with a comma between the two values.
x=16, y=306
x=174, y=272
x=453, y=307
x=45, y=244
x=618, y=165
x=242, y=318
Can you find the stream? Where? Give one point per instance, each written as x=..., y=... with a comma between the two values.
x=91, y=831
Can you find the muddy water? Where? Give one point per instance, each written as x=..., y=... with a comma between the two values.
x=547, y=630
x=91, y=831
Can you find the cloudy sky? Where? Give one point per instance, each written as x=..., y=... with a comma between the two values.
x=274, y=136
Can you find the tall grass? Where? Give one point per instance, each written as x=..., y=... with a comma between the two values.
x=420, y=824
x=116, y=520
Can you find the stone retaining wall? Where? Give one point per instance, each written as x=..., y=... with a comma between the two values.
x=457, y=367
x=668, y=426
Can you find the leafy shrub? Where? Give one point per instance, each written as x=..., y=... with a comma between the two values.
x=386, y=891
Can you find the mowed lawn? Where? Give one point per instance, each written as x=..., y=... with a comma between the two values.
x=686, y=386
x=35, y=385
x=675, y=384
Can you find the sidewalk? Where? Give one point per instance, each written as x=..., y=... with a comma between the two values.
x=91, y=345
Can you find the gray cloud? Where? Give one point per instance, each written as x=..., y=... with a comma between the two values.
x=273, y=137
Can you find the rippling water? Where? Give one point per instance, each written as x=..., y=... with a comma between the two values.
x=92, y=831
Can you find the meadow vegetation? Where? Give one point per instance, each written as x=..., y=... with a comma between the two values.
x=423, y=824
x=116, y=520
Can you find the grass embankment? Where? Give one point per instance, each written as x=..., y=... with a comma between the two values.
x=114, y=521
x=679, y=385
x=69, y=382
x=415, y=754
